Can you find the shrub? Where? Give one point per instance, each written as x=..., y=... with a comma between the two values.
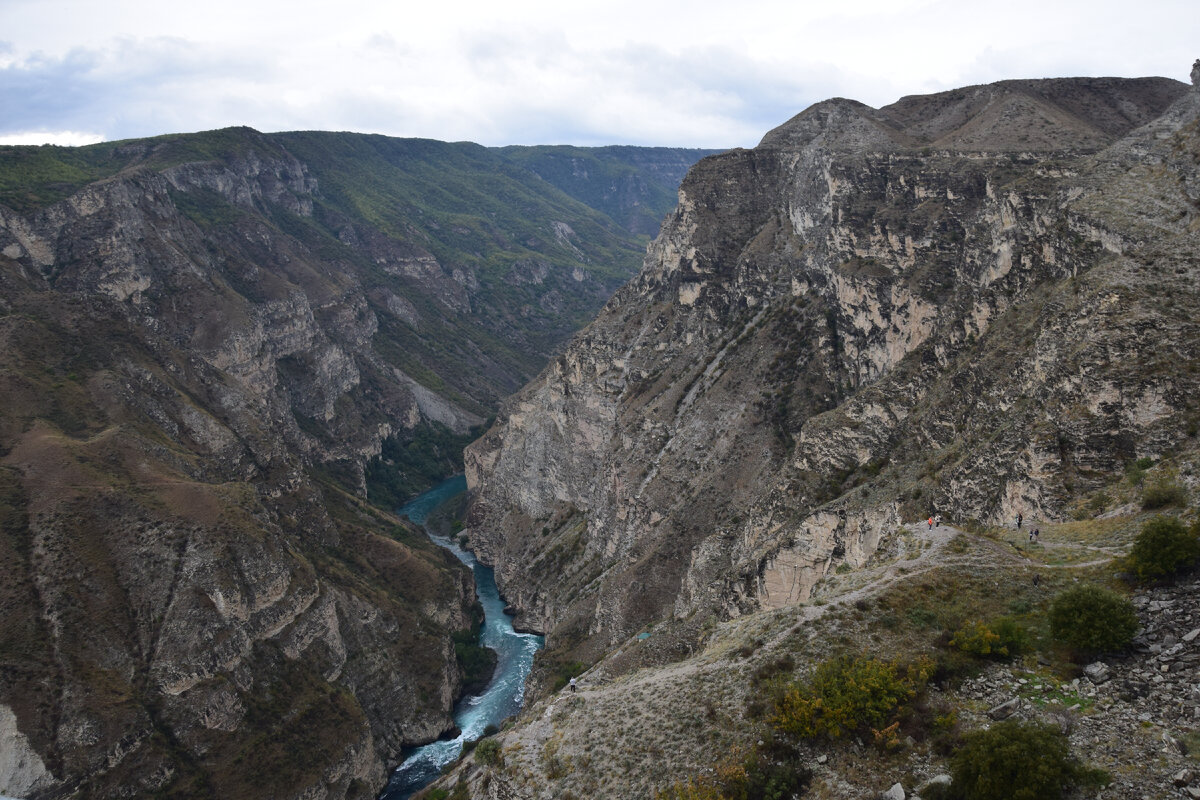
x=488, y=752
x=1013, y=637
x=1163, y=493
x=1002, y=638
x=774, y=775
x=848, y=694
x=977, y=639
x=1016, y=761
x=1163, y=547
x=564, y=671
x=1091, y=619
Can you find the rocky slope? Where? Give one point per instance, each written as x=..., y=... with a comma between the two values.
x=212, y=343
x=976, y=303
x=682, y=705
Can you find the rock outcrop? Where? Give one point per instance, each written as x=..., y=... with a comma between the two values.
x=206, y=342
x=975, y=303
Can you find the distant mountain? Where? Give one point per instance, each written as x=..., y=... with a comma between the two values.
x=636, y=186
x=216, y=346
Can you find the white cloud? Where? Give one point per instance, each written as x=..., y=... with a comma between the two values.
x=531, y=71
x=63, y=138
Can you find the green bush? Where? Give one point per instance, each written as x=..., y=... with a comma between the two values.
x=976, y=638
x=1013, y=636
x=488, y=752
x=1016, y=761
x=564, y=671
x=1001, y=638
x=848, y=694
x=1092, y=619
x=1163, y=493
x=1163, y=547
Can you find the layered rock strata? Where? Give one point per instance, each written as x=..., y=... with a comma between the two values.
x=975, y=303
x=202, y=347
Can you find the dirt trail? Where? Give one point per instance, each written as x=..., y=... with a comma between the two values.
x=636, y=716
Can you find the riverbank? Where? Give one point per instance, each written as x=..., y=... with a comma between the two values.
x=505, y=692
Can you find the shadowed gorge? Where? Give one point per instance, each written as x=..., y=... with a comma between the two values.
x=216, y=348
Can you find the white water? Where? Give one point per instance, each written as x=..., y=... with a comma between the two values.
x=514, y=651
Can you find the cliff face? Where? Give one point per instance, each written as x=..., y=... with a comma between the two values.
x=183, y=596
x=973, y=303
x=207, y=341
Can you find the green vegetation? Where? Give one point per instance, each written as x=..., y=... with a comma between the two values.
x=1091, y=619
x=1163, y=491
x=564, y=671
x=1164, y=546
x=1002, y=638
x=488, y=752
x=1016, y=761
x=34, y=177
x=404, y=469
x=848, y=695
x=765, y=774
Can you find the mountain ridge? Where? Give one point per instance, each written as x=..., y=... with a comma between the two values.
x=790, y=297
x=838, y=335
x=218, y=348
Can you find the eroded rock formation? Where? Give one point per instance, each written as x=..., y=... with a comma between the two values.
x=202, y=348
x=972, y=303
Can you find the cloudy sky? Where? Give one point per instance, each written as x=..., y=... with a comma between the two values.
x=649, y=72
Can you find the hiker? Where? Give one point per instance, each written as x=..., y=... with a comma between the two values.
x=1037, y=579
x=937, y=519
x=931, y=523
x=1033, y=537
x=1019, y=520
x=572, y=684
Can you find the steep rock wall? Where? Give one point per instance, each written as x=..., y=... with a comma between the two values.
x=944, y=305
x=192, y=605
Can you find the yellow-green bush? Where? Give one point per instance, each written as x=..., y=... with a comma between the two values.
x=848, y=694
x=1000, y=638
x=759, y=776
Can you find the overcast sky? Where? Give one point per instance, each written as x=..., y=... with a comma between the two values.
x=697, y=73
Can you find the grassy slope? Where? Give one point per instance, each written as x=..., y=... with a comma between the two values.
x=636, y=186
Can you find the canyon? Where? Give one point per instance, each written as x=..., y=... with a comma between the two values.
x=225, y=355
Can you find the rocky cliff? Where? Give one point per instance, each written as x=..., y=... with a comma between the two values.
x=975, y=303
x=211, y=343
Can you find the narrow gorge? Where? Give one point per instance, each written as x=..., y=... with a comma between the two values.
x=226, y=356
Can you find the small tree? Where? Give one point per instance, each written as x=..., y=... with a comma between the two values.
x=1163, y=547
x=1016, y=761
x=1092, y=619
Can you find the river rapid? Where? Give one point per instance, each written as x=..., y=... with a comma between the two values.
x=514, y=657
